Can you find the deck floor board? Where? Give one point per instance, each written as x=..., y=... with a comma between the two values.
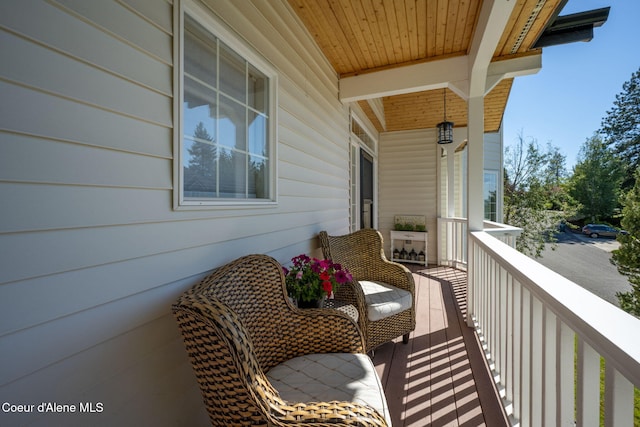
x=440, y=377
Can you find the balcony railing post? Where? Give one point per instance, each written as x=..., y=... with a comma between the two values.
x=471, y=282
x=550, y=368
x=588, y=386
x=565, y=375
x=618, y=399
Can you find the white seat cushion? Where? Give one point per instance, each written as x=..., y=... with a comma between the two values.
x=384, y=300
x=331, y=376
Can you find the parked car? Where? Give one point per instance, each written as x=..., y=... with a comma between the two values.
x=601, y=230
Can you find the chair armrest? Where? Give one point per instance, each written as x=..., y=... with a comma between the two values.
x=352, y=293
x=394, y=274
x=314, y=413
x=321, y=330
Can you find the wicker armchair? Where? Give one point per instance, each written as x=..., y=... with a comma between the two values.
x=246, y=343
x=384, y=311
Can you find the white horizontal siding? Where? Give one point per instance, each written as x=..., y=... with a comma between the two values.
x=493, y=151
x=31, y=159
x=493, y=161
x=42, y=22
x=137, y=391
x=95, y=88
x=93, y=253
x=408, y=181
x=112, y=18
x=45, y=115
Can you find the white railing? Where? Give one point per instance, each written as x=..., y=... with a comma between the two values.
x=503, y=232
x=452, y=242
x=545, y=336
x=452, y=239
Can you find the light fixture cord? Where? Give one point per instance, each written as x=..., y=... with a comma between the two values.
x=444, y=93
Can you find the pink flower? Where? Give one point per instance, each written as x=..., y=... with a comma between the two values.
x=325, y=264
x=343, y=277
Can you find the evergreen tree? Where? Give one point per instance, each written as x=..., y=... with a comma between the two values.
x=200, y=175
x=595, y=183
x=627, y=257
x=621, y=127
x=203, y=154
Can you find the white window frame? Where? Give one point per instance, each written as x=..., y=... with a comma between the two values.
x=496, y=174
x=221, y=31
x=354, y=174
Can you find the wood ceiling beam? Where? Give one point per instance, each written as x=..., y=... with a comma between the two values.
x=452, y=73
x=493, y=19
x=510, y=68
x=405, y=79
x=378, y=110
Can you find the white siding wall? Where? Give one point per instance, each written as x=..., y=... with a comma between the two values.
x=92, y=253
x=493, y=160
x=493, y=150
x=408, y=181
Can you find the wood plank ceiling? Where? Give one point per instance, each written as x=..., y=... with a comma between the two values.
x=361, y=36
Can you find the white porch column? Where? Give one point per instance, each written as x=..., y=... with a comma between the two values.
x=475, y=164
x=451, y=181
x=492, y=21
x=475, y=199
x=450, y=149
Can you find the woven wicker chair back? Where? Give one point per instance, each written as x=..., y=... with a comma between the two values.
x=251, y=282
x=231, y=343
x=359, y=251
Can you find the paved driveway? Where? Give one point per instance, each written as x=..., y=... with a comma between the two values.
x=586, y=261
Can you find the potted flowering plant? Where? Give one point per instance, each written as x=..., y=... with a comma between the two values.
x=309, y=280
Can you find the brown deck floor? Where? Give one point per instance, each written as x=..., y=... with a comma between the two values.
x=440, y=377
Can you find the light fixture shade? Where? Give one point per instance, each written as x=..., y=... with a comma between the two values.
x=445, y=132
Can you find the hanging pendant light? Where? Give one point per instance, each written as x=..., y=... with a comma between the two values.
x=445, y=128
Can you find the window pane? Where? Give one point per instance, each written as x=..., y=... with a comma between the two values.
x=258, y=178
x=490, y=195
x=233, y=74
x=199, y=109
x=232, y=124
x=257, y=90
x=199, y=169
x=257, y=134
x=199, y=52
x=233, y=172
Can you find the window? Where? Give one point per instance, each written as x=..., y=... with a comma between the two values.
x=490, y=195
x=226, y=135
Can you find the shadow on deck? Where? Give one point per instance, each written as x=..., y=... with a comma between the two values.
x=440, y=378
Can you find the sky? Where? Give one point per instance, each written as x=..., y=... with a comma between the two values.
x=565, y=102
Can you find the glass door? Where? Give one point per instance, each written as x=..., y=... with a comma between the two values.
x=366, y=190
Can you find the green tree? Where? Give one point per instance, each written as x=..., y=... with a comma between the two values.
x=595, y=183
x=555, y=183
x=200, y=174
x=555, y=171
x=529, y=177
x=621, y=127
x=627, y=257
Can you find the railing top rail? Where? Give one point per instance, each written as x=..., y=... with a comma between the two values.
x=490, y=226
x=612, y=332
x=452, y=219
